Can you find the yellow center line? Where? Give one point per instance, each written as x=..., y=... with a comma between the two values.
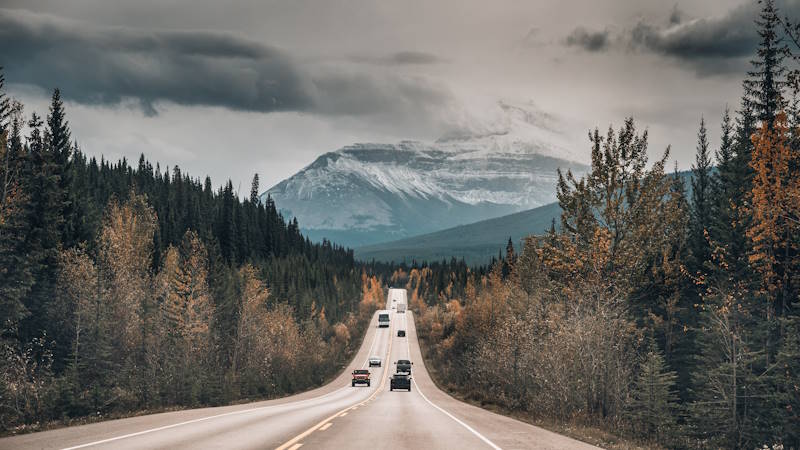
x=292, y=444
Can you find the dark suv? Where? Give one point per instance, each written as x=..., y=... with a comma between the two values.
x=400, y=381
x=403, y=365
x=401, y=333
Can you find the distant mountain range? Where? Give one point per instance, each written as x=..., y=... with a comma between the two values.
x=476, y=243
x=370, y=193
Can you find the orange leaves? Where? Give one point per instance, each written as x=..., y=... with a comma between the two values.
x=774, y=203
x=372, y=296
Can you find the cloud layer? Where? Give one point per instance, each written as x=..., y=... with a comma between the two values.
x=713, y=45
x=103, y=65
x=588, y=40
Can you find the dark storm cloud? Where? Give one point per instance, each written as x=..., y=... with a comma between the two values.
x=710, y=46
x=592, y=41
x=730, y=36
x=105, y=65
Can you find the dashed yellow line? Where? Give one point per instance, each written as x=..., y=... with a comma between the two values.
x=293, y=444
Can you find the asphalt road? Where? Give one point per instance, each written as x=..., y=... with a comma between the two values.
x=333, y=416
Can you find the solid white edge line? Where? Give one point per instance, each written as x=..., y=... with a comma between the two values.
x=201, y=419
x=471, y=430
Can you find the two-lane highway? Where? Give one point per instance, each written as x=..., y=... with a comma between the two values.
x=333, y=416
x=427, y=418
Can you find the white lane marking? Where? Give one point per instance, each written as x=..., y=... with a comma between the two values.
x=304, y=434
x=343, y=414
x=471, y=430
x=326, y=426
x=243, y=411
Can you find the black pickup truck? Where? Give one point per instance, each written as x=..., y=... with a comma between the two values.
x=400, y=381
x=403, y=365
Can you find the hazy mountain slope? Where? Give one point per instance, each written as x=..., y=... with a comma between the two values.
x=477, y=243
x=369, y=193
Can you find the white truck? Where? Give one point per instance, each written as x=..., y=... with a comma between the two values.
x=398, y=298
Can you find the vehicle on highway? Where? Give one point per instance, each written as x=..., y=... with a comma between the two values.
x=383, y=319
x=400, y=381
x=401, y=307
x=403, y=365
x=401, y=333
x=374, y=361
x=360, y=376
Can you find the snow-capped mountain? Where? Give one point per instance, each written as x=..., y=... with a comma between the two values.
x=368, y=193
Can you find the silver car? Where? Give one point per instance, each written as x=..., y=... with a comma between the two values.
x=374, y=361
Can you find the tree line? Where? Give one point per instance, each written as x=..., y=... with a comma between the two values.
x=666, y=314
x=125, y=288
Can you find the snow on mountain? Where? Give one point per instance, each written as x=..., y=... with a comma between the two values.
x=368, y=193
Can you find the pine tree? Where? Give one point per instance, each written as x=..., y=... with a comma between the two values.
x=254, y=196
x=654, y=406
x=44, y=222
x=701, y=197
x=15, y=275
x=764, y=85
x=5, y=104
x=58, y=143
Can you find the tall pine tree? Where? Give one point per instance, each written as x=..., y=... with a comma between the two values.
x=701, y=197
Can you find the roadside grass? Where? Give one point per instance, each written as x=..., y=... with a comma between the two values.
x=593, y=434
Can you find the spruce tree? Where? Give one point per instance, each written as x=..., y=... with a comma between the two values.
x=5, y=104
x=58, y=143
x=653, y=408
x=44, y=228
x=764, y=86
x=701, y=197
x=254, y=198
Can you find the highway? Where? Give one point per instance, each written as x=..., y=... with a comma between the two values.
x=333, y=416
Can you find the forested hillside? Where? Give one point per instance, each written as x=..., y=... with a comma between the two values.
x=138, y=287
x=669, y=317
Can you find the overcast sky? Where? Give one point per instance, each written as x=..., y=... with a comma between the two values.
x=231, y=88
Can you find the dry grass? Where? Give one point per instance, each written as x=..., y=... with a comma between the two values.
x=591, y=434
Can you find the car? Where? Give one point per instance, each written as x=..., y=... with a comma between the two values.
x=400, y=381
x=403, y=366
x=401, y=333
x=360, y=376
x=374, y=361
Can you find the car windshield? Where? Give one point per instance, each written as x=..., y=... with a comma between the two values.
x=374, y=358
x=360, y=371
x=403, y=361
x=400, y=376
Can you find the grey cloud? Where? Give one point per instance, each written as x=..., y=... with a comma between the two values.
x=97, y=65
x=400, y=58
x=414, y=58
x=730, y=36
x=710, y=46
x=94, y=65
x=676, y=16
x=592, y=41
